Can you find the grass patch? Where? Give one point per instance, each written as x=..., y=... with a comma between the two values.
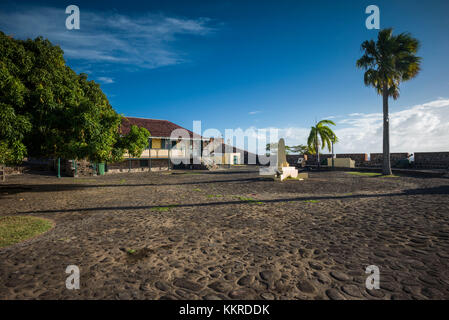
x=164, y=209
x=311, y=201
x=249, y=200
x=197, y=189
x=370, y=174
x=364, y=174
x=19, y=228
x=291, y=178
x=131, y=251
x=214, y=196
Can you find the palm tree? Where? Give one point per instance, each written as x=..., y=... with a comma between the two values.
x=321, y=136
x=388, y=62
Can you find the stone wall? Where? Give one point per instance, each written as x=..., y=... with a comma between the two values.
x=359, y=158
x=139, y=166
x=311, y=158
x=5, y=171
x=432, y=160
x=83, y=168
x=292, y=159
x=376, y=159
x=12, y=170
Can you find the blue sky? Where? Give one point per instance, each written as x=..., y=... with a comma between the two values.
x=261, y=64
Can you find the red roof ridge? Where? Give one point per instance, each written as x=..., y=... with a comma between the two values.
x=146, y=118
x=156, y=127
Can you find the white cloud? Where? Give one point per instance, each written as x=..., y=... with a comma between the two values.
x=144, y=41
x=421, y=128
x=254, y=112
x=106, y=80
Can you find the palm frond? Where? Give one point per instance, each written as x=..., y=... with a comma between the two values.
x=389, y=61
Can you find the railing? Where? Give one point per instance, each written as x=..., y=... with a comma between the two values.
x=160, y=154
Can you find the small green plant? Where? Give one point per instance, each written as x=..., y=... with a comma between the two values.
x=364, y=174
x=122, y=181
x=131, y=251
x=214, y=196
x=291, y=178
x=311, y=201
x=371, y=174
x=197, y=189
x=163, y=209
x=249, y=200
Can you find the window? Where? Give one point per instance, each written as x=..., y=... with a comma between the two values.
x=155, y=143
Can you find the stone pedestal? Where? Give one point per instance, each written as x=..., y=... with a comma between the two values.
x=289, y=172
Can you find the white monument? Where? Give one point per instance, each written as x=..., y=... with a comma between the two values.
x=283, y=168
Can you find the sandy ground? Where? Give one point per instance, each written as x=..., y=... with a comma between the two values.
x=308, y=239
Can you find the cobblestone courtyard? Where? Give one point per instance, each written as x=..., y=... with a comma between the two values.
x=229, y=235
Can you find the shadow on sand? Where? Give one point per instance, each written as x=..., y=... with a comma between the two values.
x=423, y=191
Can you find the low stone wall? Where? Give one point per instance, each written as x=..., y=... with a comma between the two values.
x=143, y=165
x=359, y=158
x=376, y=159
x=12, y=170
x=432, y=160
x=84, y=168
x=311, y=158
x=6, y=171
x=292, y=159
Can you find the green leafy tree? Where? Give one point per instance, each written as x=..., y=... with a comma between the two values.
x=49, y=111
x=301, y=149
x=321, y=136
x=136, y=141
x=12, y=130
x=388, y=62
x=13, y=125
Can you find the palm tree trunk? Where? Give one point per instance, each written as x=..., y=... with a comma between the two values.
x=317, y=155
x=386, y=168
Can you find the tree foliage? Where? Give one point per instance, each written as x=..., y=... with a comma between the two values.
x=321, y=136
x=13, y=123
x=389, y=61
x=136, y=141
x=301, y=149
x=47, y=110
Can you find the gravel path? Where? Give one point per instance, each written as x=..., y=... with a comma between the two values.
x=229, y=235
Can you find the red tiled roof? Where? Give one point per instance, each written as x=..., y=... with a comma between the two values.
x=157, y=128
